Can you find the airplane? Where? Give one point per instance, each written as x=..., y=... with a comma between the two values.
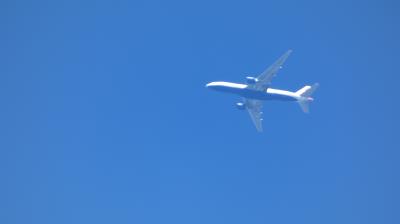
x=258, y=90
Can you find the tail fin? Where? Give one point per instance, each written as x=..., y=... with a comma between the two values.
x=305, y=96
x=307, y=91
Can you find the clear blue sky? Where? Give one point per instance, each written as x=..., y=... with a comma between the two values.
x=105, y=119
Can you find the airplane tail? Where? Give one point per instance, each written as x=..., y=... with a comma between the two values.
x=305, y=96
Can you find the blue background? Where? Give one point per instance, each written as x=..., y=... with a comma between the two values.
x=105, y=119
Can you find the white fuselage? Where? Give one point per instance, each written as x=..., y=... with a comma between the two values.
x=244, y=91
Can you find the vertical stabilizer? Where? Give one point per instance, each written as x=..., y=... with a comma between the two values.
x=307, y=91
x=305, y=96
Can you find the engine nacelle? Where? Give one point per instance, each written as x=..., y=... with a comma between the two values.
x=241, y=106
x=251, y=80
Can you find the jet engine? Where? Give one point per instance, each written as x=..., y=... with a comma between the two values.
x=251, y=80
x=241, y=106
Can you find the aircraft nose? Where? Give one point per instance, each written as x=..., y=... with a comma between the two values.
x=213, y=85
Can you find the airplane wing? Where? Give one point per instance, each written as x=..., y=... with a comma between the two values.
x=254, y=107
x=264, y=80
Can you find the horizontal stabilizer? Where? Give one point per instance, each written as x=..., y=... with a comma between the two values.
x=304, y=105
